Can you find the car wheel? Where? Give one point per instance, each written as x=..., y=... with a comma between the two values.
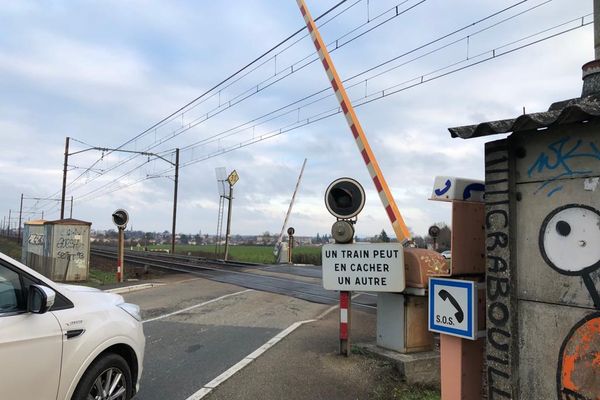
x=108, y=378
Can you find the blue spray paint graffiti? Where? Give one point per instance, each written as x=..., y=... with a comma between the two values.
x=557, y=159
x=440, y=192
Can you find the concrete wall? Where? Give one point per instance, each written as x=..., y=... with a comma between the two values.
x=69, y=251
x=542, y=300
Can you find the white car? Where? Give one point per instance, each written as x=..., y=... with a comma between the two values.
x=65, y=342
x=447, y=254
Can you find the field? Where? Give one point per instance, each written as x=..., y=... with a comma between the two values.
x=257, y=254
x=11, y=248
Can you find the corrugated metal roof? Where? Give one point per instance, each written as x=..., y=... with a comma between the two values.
x=564, y=112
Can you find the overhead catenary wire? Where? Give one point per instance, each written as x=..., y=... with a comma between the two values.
x=384, y=93
x=445, y=36
x=492, y=54
x=168, y=118
x=251, y=92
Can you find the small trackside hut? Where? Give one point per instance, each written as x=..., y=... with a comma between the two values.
x=59, y=250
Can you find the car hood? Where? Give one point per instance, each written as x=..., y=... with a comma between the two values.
x=90, y=293
x=77, y=288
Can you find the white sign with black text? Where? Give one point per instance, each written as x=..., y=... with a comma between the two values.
x=372, y=267
x=453, y=307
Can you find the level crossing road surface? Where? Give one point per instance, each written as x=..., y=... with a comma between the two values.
x=199, y=324
x=303, y=282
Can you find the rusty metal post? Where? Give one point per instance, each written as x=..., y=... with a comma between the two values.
x=290, y=247
x=175, y=200
x=120, y=255
x=64, y=183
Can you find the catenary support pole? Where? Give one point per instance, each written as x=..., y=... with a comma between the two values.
x=175, y=201
x=20, y=218
x=64, y=183
x=597, y=29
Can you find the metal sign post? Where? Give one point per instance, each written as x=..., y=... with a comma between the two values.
x=344, y=199
x=231, y=179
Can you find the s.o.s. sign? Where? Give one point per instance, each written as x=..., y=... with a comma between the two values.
x=372, y=267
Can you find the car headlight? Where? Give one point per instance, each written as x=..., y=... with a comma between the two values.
x=131, y=309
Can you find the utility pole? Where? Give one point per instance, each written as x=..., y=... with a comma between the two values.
x=175, y=200
x=71, y=213
x=64, y=184
x=20, y=218
x=9, y=218
x=597, y=29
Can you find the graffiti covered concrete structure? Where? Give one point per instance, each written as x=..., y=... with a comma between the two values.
x=542, y=196
x=58, y=249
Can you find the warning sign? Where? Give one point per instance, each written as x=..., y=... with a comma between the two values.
x=372, y=267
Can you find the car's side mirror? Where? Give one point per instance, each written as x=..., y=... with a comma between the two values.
x=40, y=299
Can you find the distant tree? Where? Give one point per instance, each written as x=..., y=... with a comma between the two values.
x=184, y=239
x=266, y=237
x=317, y=240
x=420, y=242
x=199, y=239
x=383, y=237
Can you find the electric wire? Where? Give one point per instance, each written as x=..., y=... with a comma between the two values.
x=493, y=54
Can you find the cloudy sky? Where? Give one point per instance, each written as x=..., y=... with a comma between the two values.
x=105, y=72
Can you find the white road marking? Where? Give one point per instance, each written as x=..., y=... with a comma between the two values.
x=246, y=360
x=196, y=306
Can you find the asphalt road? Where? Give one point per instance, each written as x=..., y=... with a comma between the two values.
x=197, y=328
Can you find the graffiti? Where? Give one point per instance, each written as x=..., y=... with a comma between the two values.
x=68, y=243
x=498, y=275
x=64, y=255
x=558, y=159
x=569, y=242
x=36, y=239
x=445, y=189
x=578, y=376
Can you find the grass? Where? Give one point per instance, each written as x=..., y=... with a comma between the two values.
x=11, y=248
x=415, y=392
x=257, y=254
x=99, y=278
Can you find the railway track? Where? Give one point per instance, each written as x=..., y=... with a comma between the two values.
x=244, y=275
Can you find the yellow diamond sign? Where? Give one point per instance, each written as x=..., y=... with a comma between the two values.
x=233, y=177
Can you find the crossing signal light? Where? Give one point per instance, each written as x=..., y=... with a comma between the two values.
x=120, y=218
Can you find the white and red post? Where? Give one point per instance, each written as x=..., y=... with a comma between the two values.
x=345, y=308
